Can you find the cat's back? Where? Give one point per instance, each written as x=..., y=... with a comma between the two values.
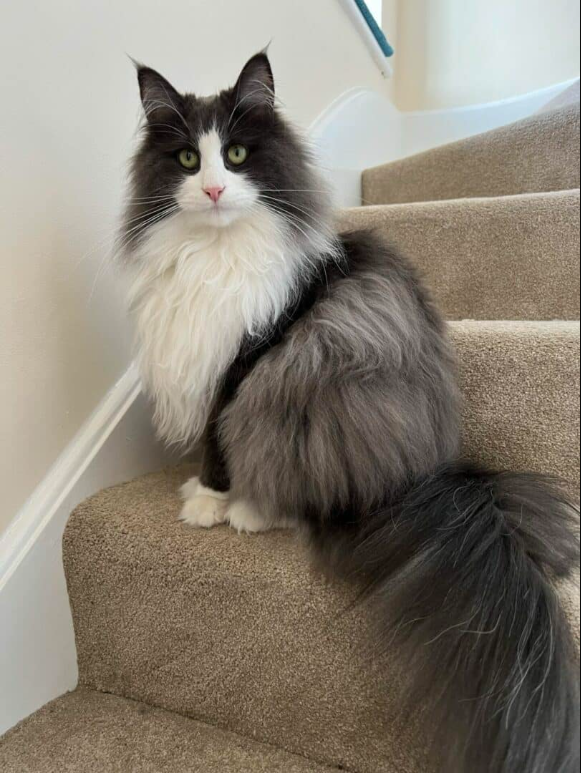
x=371, y=304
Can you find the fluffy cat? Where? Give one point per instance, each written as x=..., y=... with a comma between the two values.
x=316, y=370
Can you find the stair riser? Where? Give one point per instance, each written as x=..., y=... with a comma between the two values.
x=489, y=258
x=220, y=649
x=538, y=154
x=520, y=383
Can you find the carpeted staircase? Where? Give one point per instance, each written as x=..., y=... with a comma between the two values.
x=202, y=652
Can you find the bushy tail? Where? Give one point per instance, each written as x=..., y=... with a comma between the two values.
x=465, y=568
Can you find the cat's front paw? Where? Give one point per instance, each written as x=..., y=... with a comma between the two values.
x=243, y=517
x=203, y=508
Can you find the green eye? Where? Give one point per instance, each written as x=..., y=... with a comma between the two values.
x=189, y=159
x=237, y=155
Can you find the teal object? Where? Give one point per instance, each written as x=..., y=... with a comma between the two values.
x=378, y=34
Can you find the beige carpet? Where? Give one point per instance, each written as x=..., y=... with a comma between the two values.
x=464, y=246
x=520, y=382
x=86, y=732
x=233, y=631
x=536, y=155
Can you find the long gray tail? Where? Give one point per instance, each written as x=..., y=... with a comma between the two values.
x=464, y=568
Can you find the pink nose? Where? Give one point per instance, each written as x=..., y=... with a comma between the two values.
x=214, y=193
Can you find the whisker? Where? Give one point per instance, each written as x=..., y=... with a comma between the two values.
x=239, y=103
x=150, y=107
x=148, y=198
x=296, y=223
x=158, y=214
x=247, y=96
x=174, y=129
x=124, y=245
x=292, y=190
x=113, y=236
x=285, y=203
x=144, y=216
x=321, y=228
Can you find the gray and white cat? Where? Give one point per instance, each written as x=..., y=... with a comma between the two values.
x=316, y=370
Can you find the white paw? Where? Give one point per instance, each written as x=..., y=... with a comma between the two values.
x=190, y=489
x=243, y=517
x=204, y=512
x=203, y=508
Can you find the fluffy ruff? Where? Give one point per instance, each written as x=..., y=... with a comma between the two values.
x=195, y=293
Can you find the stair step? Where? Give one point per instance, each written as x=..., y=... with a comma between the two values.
x=232, y=631
x=495, y=258
x=87, y=732
x=520, y=383
x=537, y=154
x=238, y=632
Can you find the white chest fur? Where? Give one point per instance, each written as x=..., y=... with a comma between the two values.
x=195, y=295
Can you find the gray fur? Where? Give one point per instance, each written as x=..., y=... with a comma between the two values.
x=360, y=395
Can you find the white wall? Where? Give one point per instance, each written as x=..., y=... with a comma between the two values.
x=68, y=115
x=460, y=52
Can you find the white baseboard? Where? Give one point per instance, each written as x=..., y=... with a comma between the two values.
x=37, y=647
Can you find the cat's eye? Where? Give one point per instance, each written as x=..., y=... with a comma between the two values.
x=189, y=159
x=237, y=155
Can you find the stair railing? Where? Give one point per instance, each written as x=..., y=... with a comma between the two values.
x=372, y=34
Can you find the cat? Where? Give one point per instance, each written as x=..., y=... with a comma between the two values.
x=316, y=371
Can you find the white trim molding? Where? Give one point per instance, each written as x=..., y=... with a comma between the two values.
x=40, y=509
x=37, y=647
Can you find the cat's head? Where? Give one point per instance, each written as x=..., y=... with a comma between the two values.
x=217, y=160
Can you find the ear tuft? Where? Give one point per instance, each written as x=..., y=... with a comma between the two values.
x=158, y=96
x=255, y=87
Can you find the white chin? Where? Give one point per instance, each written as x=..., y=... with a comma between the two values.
x=218, y=217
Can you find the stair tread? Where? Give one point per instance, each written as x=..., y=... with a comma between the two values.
x=232, y=630
x=540, y=153
x=87, y=731
x=463, y=248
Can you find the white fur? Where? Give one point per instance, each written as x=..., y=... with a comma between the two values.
x=204, y=512
x=203, y=508
x=194, y=488
x=203, y=279
x=245, y=519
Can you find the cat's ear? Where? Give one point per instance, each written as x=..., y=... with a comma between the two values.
x=255, y=87
x=158, y=96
